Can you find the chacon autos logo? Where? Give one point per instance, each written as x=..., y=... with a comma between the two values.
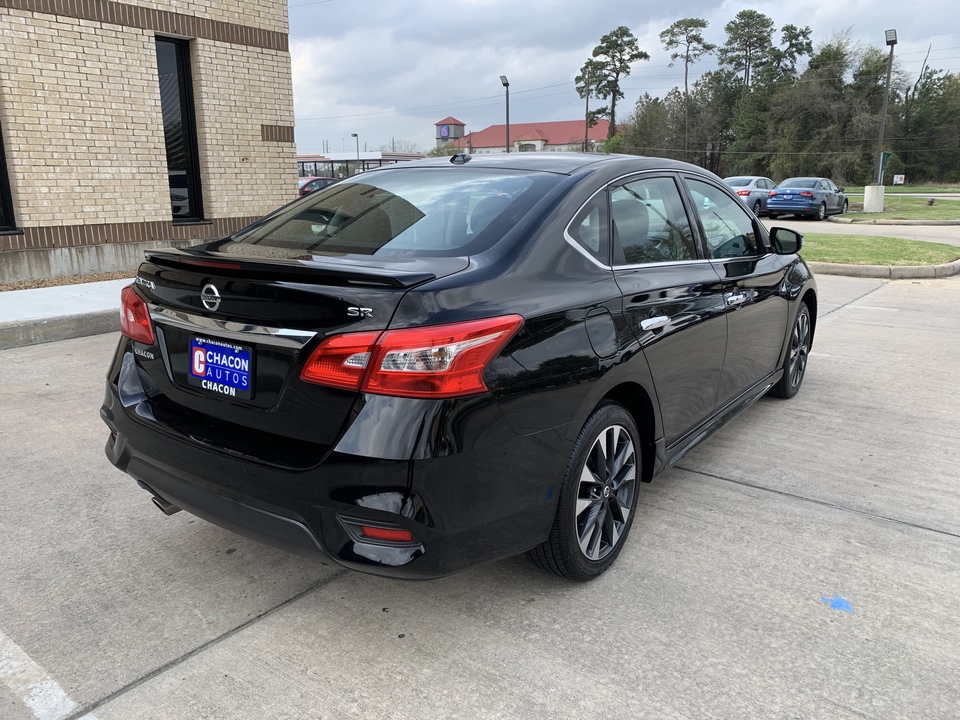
x=210, y=297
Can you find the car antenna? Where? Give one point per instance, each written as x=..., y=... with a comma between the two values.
x=460, y=158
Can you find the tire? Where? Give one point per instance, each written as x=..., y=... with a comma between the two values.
x=844, y=207
x=795, y=363
x=773, y=215
x=757, y=208
x=598, y=497
x=821, y=211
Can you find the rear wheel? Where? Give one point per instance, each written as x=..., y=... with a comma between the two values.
x=597, y=498
x=757, y=207
x=772, y=215
x=795, y=363
x=822, y=211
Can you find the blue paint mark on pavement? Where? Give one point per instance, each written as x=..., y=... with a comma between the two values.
x=838, y=603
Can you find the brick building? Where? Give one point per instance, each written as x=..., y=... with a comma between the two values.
x=558, y=136
x=131, y=124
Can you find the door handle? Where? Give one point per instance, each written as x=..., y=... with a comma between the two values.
x=736, y=299
x=654, y=323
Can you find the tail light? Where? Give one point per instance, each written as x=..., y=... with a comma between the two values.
x=428, y=362
x=805, y=193
x=771, y=193
x=743, y=193
x=134, y=317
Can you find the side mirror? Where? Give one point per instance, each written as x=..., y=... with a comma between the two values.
x=842, y=189
x=785, y=241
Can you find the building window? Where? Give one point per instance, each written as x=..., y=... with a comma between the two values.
x=6, y=203
x=179, y=129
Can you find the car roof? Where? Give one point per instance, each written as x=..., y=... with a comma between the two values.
x=565, y=163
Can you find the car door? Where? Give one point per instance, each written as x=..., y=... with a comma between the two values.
x=672, y=298
x=751, y=280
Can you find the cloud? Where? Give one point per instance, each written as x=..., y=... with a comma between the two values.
x=392, y=69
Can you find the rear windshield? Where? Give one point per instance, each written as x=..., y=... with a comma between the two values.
x=406, y=212
x=800, y=183
x=738, y=182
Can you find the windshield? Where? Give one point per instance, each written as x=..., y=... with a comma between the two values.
x=800, y=183
x=407, y=212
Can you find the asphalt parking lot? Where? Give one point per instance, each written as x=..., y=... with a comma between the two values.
x=804, y=562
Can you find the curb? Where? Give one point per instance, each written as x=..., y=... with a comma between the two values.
x=881, y=221
x=890, y=272
x=35, y=332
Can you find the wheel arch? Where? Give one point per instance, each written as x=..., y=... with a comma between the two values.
x=639, y=404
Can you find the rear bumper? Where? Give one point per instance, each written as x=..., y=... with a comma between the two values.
x=475, y=492
x=784, y=209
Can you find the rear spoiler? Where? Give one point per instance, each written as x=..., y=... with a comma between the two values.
x=339, y=271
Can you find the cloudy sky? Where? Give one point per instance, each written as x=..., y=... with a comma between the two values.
x=389, y=69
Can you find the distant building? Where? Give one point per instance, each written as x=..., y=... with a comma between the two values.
x=560, y=136
x=449, y=131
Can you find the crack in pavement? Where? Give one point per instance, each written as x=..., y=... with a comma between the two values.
x=882, y=285
x=823, y=503
x=199, y=649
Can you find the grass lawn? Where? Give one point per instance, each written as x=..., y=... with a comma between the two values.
x=875, y=250
x=907, y=208
x=897, y=189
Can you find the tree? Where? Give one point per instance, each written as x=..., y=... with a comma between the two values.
x=611, y=62
x=401, y=145
x=686, y=41
x=749, y=39
x=590, y=74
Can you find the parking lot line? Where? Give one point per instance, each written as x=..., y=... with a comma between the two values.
x=31, y=683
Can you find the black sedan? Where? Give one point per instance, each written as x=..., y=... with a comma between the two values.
x=446, y=362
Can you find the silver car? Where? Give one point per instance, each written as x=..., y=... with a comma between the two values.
x=753, y=190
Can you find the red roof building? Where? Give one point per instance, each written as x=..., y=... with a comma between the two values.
x=560, y=136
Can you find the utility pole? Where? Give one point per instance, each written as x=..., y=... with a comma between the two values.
x=586, y=117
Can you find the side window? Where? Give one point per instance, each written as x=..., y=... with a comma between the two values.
x=589, y=229
x=649, y=223
x=727, y=228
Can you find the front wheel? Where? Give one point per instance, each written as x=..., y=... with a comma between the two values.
x=795, y=363
x=597, y=497
x=844, y=207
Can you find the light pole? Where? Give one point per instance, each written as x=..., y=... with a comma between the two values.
x=891, y=36
x=506, y=86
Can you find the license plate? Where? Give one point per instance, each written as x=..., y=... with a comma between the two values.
x=221, y=368
x=788, y=197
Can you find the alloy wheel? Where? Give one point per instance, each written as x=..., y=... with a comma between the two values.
x=605, y=493
x=799, y=348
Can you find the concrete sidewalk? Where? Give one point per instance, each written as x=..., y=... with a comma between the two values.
x=29, y=317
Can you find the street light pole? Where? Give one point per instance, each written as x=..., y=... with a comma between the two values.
x=891, y=36
x=506, y=86
x=357, y=136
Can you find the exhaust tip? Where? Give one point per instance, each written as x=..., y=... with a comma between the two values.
x=165, y=507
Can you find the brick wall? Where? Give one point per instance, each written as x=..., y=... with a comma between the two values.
x=82, y=125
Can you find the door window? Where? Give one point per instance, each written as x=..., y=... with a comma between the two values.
x=649, y=223
x=727, y=228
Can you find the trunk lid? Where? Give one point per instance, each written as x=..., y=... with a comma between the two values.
x=232, y=333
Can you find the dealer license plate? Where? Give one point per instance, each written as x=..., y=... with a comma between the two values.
x=221, y=368
x=788, y=197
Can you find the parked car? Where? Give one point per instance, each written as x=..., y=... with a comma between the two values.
x=753, y=190
x=310, y=184
x=808, y=196
x=450, y=361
